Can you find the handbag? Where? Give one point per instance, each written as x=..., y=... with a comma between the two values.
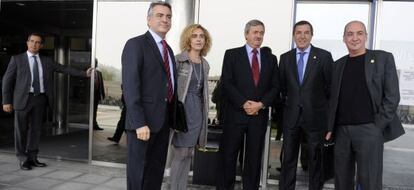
x=181, y=121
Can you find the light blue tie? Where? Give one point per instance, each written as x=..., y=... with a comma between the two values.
x=301, y=67
x=36, y=81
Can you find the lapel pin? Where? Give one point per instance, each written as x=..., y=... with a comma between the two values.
x=372, y=61
x=314, y=57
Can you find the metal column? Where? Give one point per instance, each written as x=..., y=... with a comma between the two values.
x=266, y=149
x=61, y=86
x=183, y=14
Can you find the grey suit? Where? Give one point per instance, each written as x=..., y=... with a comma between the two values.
x=366, y=139
x=16, y=91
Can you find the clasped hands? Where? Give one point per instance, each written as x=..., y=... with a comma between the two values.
x=143, y=133
x=252, y=107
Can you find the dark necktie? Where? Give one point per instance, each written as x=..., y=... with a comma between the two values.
x=255, y=67
x=36, y=81
x=301, y=67
x=167, y=69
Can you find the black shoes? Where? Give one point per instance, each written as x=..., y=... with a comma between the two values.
x=29, y=164
x=97, y=128
x=25, y=165
x=36, y=163
x=113, y=140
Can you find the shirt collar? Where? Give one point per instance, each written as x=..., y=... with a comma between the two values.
x=249, y=49
x=156, y=37
x=307, y=50
x=30, y=54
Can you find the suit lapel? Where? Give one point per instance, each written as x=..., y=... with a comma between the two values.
x=246, y=64
x=369, y=67
x=44, y=69
x=310, y=64
x=154, y=48
x=341, y=67
x=173, y=64
x=26, y=68
x=26, y=65
x=263, y=66
x=294, y=65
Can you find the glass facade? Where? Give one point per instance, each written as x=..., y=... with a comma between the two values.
x=393, y=36
x=111, y=35
x=329, y=29
x=68, y=30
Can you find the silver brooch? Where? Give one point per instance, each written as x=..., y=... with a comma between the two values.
x=372, y=61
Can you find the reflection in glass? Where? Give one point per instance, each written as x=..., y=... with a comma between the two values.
x=111, y=36
x=394, y=37
x=64, y=135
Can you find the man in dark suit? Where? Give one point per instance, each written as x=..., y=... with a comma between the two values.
x=250, y=79
x=363, y=104
x=305, y=80
x=148, y=79
x=99, y=94
x=28, y=89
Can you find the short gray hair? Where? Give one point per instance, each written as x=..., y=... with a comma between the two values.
x=355, y=21
x=251, y=23
x=153, y=4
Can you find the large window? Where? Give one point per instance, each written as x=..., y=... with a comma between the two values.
x=395, y=31
x=225, y=20
x=116, y=23
x=328, y=20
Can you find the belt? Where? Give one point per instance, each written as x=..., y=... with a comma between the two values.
x=33, y=94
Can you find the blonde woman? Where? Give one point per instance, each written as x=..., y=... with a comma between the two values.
x=192, y=90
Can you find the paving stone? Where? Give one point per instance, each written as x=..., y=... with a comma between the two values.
x=9, y=167
x=117, y=183
x=63, y=175
x=102, y=188
x=39, y=183
x=8, y=158
x=35, y=172
x=72, y=185
x=11, y=179
x=15, y=188
x=92, y=178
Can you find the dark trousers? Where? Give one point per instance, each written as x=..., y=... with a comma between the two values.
x=291, y=143
x=120, y=127
x=362, y=144
x=303, y=153
x=231, y=140
x=146, y=159
x=95, y=109
x=28, y=127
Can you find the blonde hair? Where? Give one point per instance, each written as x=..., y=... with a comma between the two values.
x=185, y=40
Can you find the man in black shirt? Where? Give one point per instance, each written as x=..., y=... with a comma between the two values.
x=363, y=104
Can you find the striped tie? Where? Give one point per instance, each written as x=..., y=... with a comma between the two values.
x=167, y=70
x=255, y=68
